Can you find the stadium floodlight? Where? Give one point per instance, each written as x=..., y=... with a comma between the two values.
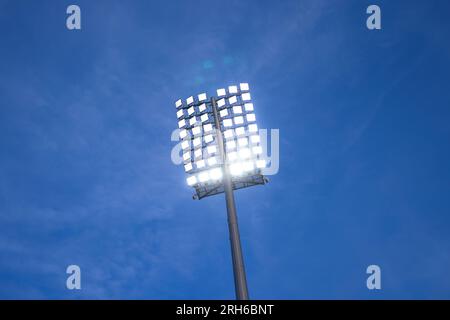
x=221, y=153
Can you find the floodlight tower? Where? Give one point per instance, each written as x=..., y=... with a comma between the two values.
x=221, y=153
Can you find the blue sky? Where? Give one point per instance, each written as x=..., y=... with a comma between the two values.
x=86, y=176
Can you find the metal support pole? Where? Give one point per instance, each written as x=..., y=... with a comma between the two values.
x=240, y=280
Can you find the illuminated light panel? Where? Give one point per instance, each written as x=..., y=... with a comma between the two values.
x=203, y=177
x=202, y=107
x=244, y=86
x=204, y=118
x=248, y=107
x=183, y=134
x=237, y=109
x=215, y=174
x=231, y=145
x=180, y=113
x=243, y=142
x=251, y=117
x=191, y=181
x=232, y=156
x=196, y=131
x=248, y=166
x=236, y=169
x=223, y=113
x=257, y=150
x=228, y=133
x=191, y=110
x=190, y=100
x=202, y=97
x=207, y=127
x=212, y=161
x=255, y=139
x=240, y=131
x=185, y=145
x=233, y=89
x=244, y=153
x=181, y=123
x=252, y=128
x=238, y=120
x=261, y=164
x=178, y=103
x=221, y=103
x=200, y=164
x=188, y=167
x=196, y=142
x=232, y=100
x=186, y=156
x=212, y=149
x=193, y=121
x=227, y=123
x=198, y=153
x=208, y=138
x=246, y=96
x=221, y=92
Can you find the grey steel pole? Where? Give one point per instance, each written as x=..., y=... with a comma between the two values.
x=240, y=280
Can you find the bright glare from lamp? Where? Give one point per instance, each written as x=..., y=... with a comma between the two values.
x=193, y=121
x=202, y=97
x=190, y=100
x=212, y=161
x=236, y=169
x=255, y=139
x=248, y=107
x=221, y=103
x=257, y=150
x=202, y=107
x=191, y=181
x=231, y=145
x=232, y=156
x=248, y=166
x=244, y=153
x=223, y=113
x=221, y=92
x=203, y=176
x=191, y=110
x=261, y=164
x=179, y=113
x=179, y=103
x=212, y=149
x=181, y=123
x=215, y=174
x=243, y=142
x=200, y=164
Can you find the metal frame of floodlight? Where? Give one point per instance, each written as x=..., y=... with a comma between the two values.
x=228, y=182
